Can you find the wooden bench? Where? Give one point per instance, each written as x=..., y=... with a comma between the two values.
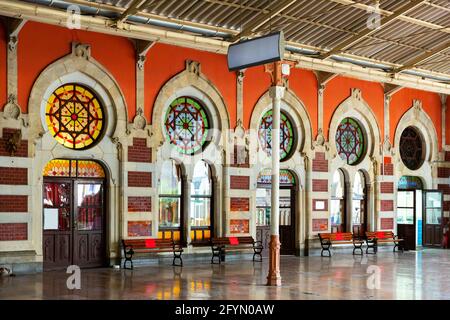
x=374, y=238
x=328, y=239
x=219, y=246
x=130, y=247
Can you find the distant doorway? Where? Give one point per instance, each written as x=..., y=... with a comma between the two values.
x=74, y=218
x=287, y=210
x=419, y=214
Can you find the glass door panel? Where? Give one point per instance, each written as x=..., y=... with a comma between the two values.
x=433, y=207
x=285, y=207
x=405, y=207
x=57, y=206
x=89, y=206
x=433, y=218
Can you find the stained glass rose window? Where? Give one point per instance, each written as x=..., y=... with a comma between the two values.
x=286, y=134
x=350, y=142
x=74, y=116
x=187, y=125
x=412, y=150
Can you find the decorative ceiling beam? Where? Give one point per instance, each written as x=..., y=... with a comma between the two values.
x=13, y=25
x=366, y=32
x=261, y=19
x=148, y=15
x=324, y=77
x=385, y=12
x=390, y=89
x=142, y=46
x=423, y=57
x=132, y=9
x=57, y=17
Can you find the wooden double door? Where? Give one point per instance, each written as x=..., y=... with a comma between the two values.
x=73, y=223
x=286, y=220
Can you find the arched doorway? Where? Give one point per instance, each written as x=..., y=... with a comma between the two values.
x=287, y=210
x=338, y=203
x=171, y=217
x=409, y=211
x=201, y=220
x=359, y=205
x=419, y=214
x=74, y=214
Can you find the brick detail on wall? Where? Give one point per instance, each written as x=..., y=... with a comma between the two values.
x=320, y=185
x=15, y=176
x=240, y=157
x=240, y=182
x=22, y=150
x=139, y=204
x=139, y=152
x=13, y=231
x=139, y=179
x=239, y=204
x=445, y=188
x=387, y=223
x=139, y=228
x=13, y=203
x=443, y=172
x=325, y=202
x=320, y=164
x=387, y=187
x=446, y=205
x=387, y=205
x=319, y=225
x=388, y=169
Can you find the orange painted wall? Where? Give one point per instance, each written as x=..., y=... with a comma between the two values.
x=339, y=89
x=256, y=83
x=403, y=100
x=304, y=84
x=165, y=61
x=116, y=54
x=2, y=66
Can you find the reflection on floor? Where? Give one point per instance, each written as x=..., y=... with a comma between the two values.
x=412, y=275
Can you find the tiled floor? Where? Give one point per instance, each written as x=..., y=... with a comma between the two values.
x=412, y=275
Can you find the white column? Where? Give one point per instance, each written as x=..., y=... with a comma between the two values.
x=276, y=93
x=187, y=209
x=320, y=107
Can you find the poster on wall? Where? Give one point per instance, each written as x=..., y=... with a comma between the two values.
x=139, y=228
x=387, y=223
x=50, y=219
x=239, y=226
x=320, y=224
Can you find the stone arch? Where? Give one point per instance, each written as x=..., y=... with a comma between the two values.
x=417, y=117
x=297, y=162
x=356, y=107
x=296, y=109
x=79, y=67
x=191, y=82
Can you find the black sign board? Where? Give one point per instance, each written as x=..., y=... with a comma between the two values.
x=256, y=51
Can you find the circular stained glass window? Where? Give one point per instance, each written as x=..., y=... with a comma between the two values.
x=412, y=150
x=350, y=141
x=74, y=116
x=286, y=134
x=187, y=125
